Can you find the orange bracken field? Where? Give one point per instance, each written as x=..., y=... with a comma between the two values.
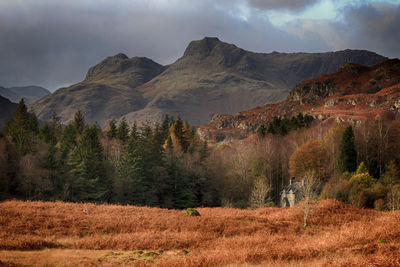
x=68, y=234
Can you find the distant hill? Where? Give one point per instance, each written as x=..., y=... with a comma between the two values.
x=6, y=110
x=211, y=77
x=28, y=93
x=353, y=94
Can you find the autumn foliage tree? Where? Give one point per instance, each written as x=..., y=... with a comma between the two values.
x=310, y=156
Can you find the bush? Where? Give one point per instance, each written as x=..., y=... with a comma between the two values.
x=192, y=212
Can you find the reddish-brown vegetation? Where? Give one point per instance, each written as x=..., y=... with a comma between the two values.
x=353, y=94
x=340, y=235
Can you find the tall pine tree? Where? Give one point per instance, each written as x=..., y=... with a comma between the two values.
x=21, y=128
x=348, y=153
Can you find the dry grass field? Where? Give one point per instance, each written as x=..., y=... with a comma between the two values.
x=68, y=234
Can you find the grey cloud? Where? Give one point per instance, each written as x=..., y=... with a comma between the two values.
x=292, y=5
x=53, y=43
x=373, y=27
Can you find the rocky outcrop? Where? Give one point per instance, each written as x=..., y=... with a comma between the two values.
x=344, y=96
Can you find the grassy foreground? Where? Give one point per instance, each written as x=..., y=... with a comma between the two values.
x=68, y=234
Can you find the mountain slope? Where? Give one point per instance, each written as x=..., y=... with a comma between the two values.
x=353, y=93
x=215, y=77
x=211, y=77
x=6, y=110
x=28, y=93
x=108, y=91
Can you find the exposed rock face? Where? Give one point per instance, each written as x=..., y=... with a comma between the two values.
x=348, y=79
x=352, y=94
x=211, y=77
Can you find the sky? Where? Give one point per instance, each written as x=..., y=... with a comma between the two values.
x=52, y=43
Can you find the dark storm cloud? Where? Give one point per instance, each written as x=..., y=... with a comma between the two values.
x=53, y=43
x=377, y=28
x=292, y=5
x=373, y=27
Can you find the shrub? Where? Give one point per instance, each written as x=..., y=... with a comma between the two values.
x=192, y=212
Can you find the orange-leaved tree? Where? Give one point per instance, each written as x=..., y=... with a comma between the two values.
x=310, y=156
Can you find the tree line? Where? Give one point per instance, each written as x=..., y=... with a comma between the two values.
x=155, y=166
x=167, y=165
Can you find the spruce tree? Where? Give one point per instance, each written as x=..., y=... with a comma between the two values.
x=47, y=135
x=123, y=131
x=79, y=122
x=112, y=129
x=87, y=168
x=165, y=127
x=19, y=128
x=348, y=153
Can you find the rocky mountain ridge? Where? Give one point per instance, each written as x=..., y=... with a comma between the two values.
x=211, y=77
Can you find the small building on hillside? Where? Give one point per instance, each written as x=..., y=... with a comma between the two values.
x=290, y=194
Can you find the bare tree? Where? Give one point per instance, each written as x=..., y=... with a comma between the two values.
x=259, y=193
x=307, y=188
x=394, y=197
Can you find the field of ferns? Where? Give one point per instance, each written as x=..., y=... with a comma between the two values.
x=70, y=234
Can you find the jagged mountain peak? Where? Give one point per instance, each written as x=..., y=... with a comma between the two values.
x=121, y=56
x=210, y=46
x=201, y=47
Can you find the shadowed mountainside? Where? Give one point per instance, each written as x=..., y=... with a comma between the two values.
x=29, y=93
x=211, y=77
x=6, y=110
x=108, y=91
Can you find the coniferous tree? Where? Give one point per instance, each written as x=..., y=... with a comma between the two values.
x=87, y=168
x=164, y=128
x=123, y=131
x=79, y=122
x=348, y=153
x=130, y=184
x=47, y=135
x=55, y=124
x=112, y=129
x=33, y=124
x=68, y=140
x=19, y=128
x=186, y=136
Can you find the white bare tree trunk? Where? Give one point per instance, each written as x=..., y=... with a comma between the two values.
x=307, y=188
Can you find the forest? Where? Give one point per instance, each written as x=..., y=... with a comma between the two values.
x=166, y=165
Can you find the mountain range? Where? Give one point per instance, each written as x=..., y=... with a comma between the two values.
x=29, y=93
x=211, y=77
